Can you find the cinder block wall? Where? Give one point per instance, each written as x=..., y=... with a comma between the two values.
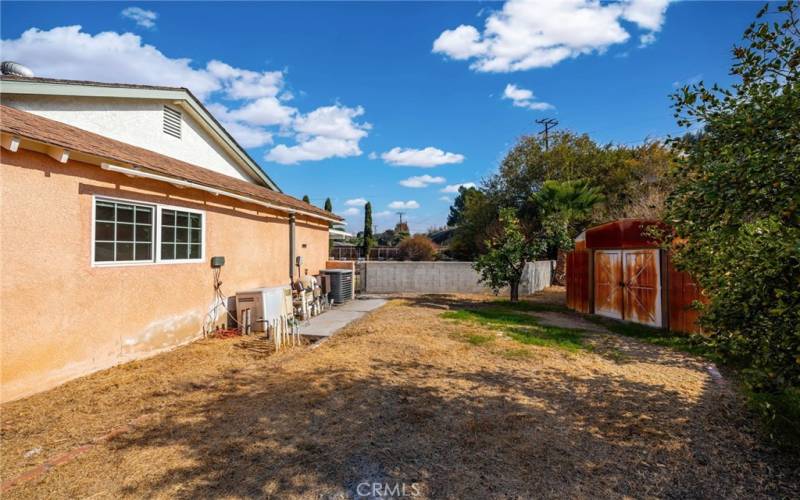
x=443, y=277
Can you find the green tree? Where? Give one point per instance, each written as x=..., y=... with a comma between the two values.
x=625, y=175
x=564, y=209
x=328, y=205
x=306, y=199
x=473, y=214
x=368, y=240
x=459, y=205
x=507, y=252
x=736, y=200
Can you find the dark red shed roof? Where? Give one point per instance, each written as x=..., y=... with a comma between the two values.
x=623, y=233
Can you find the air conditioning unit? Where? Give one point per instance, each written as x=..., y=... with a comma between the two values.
x=341, y=284
x=258, y=310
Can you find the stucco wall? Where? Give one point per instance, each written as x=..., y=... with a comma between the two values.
x=442, y=277
x=61, y=318
x=137, y=122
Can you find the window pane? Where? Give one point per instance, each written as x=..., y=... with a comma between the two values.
x=181, y=219
x=105, y=211
x=168, y=251
x=144, y=233
x=195, y=220
x=124, y=232
x=181, y=251
x=144, y=251
x=168, y=217
x=167, y=234
x=181, y=235
x=103, y=252
x=144, y=215
x=195, y=235
x=104, y=231
x=124, y=213
x=124, y=251
x=194, y=251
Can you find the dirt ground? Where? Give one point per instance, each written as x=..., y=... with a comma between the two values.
x=401, y=399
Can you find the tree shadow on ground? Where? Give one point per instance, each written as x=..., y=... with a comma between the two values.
x=453, y=432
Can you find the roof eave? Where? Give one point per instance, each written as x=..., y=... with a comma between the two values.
x=180, y=95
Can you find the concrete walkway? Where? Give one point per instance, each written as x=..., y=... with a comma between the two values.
x=329, y=322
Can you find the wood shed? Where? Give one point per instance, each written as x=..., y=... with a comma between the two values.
x=619, y=271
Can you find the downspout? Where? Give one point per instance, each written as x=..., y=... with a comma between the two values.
x=292, y=256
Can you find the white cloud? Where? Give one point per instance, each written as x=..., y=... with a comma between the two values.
x=453, y=188
x=356, y=202
x=403, y=205
x=333, y=121
x=67, y=52
x=647, y=14
x=326, y=132
x=247, y=136
x=421, y=181
x=384, y=214
x=529, y=34
x=142, y=17
x=646, y=39
x=246, y=84
x=445, y=199
x=254, y=100
x=426, y=158
x=318, y=148
x=523, y=98
x=373, y=156
x=351, y=211
x=265, y=111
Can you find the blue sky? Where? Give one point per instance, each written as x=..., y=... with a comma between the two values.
x=347, y=100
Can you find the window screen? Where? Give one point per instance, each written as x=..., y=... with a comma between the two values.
x=123, y=232
x=181, y=235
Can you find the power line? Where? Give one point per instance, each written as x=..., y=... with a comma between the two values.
x=547, y=123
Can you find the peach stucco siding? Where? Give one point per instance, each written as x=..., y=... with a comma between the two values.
x=61, y=318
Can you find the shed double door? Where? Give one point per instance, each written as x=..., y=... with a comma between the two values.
x=627, y=285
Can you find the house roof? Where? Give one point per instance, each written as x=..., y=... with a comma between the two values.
x=13, y=84
x=39, y=129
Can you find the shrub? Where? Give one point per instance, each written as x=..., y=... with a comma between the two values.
x=736, y=211
x=418, y=247
x=735, y=203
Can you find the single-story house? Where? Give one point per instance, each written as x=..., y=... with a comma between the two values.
x=114, y=198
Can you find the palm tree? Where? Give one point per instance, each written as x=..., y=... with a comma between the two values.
x=565, y=207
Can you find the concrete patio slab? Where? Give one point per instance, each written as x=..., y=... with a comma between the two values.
x=330, y=322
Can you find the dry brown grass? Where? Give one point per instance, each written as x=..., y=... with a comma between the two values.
x=399, y=396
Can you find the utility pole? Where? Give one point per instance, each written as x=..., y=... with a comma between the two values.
x=547, y=123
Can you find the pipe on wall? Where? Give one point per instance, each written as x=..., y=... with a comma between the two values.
x=132, y=172
x=292, y=254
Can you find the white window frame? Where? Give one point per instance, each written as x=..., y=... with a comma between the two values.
x=156, y=259
x=202, y=214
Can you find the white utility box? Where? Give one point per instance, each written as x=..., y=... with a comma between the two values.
x=257, y=310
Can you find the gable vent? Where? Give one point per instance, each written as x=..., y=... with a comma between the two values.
x=172, y=122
